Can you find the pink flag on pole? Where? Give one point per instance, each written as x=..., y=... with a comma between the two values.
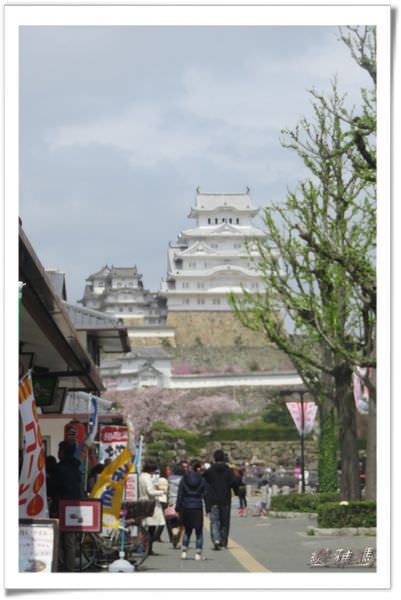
x=310, y=409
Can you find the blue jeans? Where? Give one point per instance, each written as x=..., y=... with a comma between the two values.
x=192, y=519
x=219, y=524
x=187, y=536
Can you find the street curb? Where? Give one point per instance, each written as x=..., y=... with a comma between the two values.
x=291, y=515
x=320, y=530
x=342, y=531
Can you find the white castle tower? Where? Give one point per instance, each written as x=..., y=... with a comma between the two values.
x=211, y=259
x=119, y=291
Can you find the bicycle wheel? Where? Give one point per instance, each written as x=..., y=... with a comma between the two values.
x=137, y=544
x=87, y=552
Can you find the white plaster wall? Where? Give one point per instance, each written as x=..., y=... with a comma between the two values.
x=211, y=381
x=53, y=428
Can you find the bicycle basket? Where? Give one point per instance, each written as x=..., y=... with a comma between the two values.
x=140, y=509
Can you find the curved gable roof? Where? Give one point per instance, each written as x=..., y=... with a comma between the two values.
x=102, y=274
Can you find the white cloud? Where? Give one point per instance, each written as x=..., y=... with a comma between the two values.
x=223, y=118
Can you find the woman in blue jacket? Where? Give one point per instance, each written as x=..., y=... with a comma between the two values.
x=190, y=499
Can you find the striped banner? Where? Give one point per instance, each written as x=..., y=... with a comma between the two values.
x=309, y=410
x=361, y=391
x=82, y=450
x=32, y=482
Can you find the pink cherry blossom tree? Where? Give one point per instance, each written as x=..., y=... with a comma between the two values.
x=177, y=409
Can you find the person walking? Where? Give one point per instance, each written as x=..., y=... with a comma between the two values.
x=190, y=500
x=66, y=485
x=241, y=493
x=161, y=483
x=175, y=527
x=148, y=491
x=221, y=481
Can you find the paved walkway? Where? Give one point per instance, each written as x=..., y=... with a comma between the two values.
x=259, y=544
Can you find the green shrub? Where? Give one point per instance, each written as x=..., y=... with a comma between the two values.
x=357, y=513
x=301, y=502
x=277, y=413
x=255, y=433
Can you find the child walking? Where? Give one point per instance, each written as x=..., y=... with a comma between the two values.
x=191, y=498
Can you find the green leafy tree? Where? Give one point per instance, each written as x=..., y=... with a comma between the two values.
x=318, y=268
x=277, y=413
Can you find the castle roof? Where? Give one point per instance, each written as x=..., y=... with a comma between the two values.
x=115, y=272
x=124, y=272
x=103, y=273
x=205, y=202
x=224, y=229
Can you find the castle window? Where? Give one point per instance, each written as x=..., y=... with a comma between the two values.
x=201, y=301
x=216, y=300
x=209, y=221
x=185, y=300
x=230, y=220
x=237, y=220
x=200, y=286
x=216, y=220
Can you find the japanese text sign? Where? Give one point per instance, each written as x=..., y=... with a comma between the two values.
x=32, y=483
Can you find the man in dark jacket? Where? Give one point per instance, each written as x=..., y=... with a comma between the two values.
x=221, y=480
x=67, y=485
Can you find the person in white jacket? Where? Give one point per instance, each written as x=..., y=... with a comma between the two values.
x=148, y=491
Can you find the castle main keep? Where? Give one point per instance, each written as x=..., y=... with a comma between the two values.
x=206, y=263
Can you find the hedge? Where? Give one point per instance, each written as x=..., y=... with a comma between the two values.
x=301, y=502
x=357, y=513
x=268, y=433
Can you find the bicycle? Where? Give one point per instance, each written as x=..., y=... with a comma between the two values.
x=99, y=550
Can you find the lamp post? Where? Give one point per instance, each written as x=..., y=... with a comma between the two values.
x=302, y=432
x=301, y=395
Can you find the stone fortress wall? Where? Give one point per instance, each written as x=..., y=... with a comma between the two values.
x=270, y=454
x=218, y=329
x=235, y=358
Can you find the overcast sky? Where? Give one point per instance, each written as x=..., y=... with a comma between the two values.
x=119, y=125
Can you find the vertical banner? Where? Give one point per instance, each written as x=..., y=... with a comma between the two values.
x=109, y=487
x=361, y=392
x=20, y=286
x=83, y=448
x=32, y=483
x=310, y=409
x=138, y=456
x=131, y=488
x=113, y=440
